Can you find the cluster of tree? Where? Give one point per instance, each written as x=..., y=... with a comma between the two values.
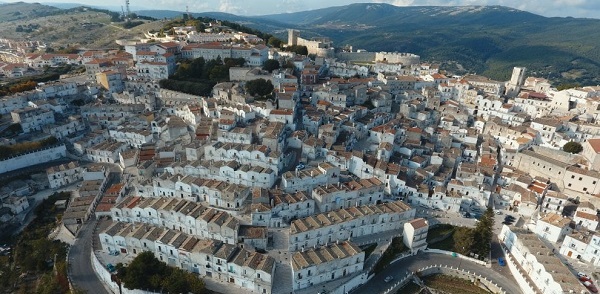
x=271, y=65
x=259, y=87
x=565, y=86
x=476, y=240
x=63, y=50
x=27, y=28
x=573, y=147
x=13, y=150
x=298, y=49
x=34, y=253
x=131, y=24
x=146, y=272
x=198, y=77
x=16, y=88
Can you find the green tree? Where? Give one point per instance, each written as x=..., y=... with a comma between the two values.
x=274, y=42
x=463, y=240
x=483, y=233
x=259, y=87
x=143, y=269
x=573, y=147
x=271, y=65
x=147, y=272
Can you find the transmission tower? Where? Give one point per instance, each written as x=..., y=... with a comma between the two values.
x=127, y=9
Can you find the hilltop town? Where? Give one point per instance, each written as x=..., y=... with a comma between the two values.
x=301, y=187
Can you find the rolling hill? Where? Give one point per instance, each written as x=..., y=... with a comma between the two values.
x=488, y=40
x=80, y=27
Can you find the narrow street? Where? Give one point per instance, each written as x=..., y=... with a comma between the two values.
x=80, y=271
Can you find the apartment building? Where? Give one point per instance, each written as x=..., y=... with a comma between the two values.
x=348, y=194
x=325, y=263
x=228, y=171
x=213, y=259
x=347, y=223
x=178, y=214
x=546, y=270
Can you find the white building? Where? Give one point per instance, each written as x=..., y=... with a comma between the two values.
x=223, y=263
x=326, y=263
x=582, y=245
x=415, y=234
x=553, y=227
x=345, y=224
x=302, y=180
x=546, y=270
x=177, y=214
x=32, y=119
x=275, y=208
x=229, y=171
x=64, y=174
x=348, y=194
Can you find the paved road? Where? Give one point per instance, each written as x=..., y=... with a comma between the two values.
x=81, y=272
x=413, y=263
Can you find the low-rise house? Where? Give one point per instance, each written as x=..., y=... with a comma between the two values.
x=32, y=119
x=586, y=216
x=302, y=180
x=64, y=174
x=553, y=227
x=134, y=137
x=325, y=263
x=582, y=245
x=107, y=151
x=253, y=237
x=275, y=208
x=348, y=194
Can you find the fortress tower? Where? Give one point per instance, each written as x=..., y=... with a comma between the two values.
x=293, y=37
x=516, y=82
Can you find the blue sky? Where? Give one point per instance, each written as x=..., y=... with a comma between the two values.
x=574, y=8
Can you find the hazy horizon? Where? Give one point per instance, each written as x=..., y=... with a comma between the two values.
x=550, y=8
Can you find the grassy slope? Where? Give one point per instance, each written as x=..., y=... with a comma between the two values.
x=87, y=29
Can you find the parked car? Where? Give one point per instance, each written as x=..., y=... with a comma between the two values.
x=501, y=261
x=498, y=212
x=300, y=166
x=585, y=279
x=388, y=279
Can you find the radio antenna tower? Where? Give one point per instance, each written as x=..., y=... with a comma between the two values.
x=187, y=11
x=127, y=9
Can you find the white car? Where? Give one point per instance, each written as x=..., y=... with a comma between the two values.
x=388, y=279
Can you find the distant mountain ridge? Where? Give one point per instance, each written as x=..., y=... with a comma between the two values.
x=488, y=40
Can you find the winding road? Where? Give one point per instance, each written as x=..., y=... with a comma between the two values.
x=81, y=272
x=421, y=260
